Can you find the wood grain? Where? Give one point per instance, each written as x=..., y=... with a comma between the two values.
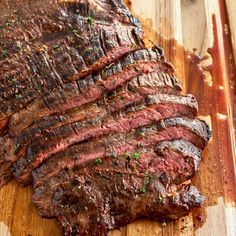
x=172, y=23
x=231, y=9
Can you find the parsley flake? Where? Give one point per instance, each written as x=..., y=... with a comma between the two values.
x=98, y=161
x=90, y=20
x=136, y=156
x=143, y=189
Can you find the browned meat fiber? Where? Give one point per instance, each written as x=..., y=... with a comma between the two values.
x=93, y=119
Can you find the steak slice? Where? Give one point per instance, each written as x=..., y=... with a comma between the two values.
x=117, y=191
x=92, y=87
x=118, y=144
x=197, y=126
x=160, y=106
x=46, y=45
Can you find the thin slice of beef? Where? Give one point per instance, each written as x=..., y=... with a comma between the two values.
x=92, y=87
x=55, y=42
x=107, y=194
x=160, y=106
x=198, y=126
x=118, y=144
x=176, y=169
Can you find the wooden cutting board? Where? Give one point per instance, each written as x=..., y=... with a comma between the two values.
x=178, y=26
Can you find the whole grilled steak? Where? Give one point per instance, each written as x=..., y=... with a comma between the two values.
x=92, y=118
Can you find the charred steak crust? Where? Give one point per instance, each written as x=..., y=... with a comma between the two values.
x=92, y=118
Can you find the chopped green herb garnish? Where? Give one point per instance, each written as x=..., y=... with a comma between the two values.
x=37, y=86
x=17, y=95
x=10, y=22
x=132, y=89
x=98, y=161
x=134, y=62
x=139, y=108
x=139, y=145
x=75, y=31
x=5, y=52
x=133, y=46
x=136, y=155
x=147, y=179
x=57, y=47
x=16, y=147
x=90, y=20
x=114, y=155
x=160, y=198
x=143, y=189
x=88, y=50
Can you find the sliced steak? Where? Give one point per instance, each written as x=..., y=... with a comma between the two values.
x=98, y=194
x=46, y=45
x=133, y=93
x=159, y=107
x=92, y=87
x=94, y=117
x=118, y=144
